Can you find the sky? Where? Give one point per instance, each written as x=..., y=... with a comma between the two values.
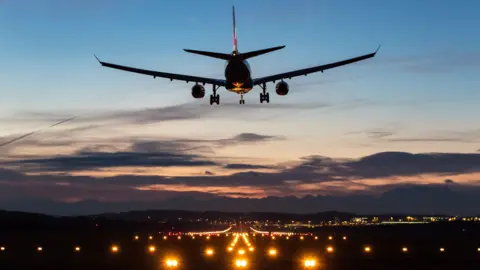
x=362, y=129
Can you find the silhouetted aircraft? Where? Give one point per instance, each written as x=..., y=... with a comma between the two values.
x=238, y=75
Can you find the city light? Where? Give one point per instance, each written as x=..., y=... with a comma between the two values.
x=329, y=249
x=241, y=252
x=344, y=238
x=230, y=249
x=367, y=249
x=405, y=249
x=330, y=238
x=272, y=252
x=77, y=249
x=165, y=238
x=2, y=248
x=39, y=249
x=442, y=249
x=136, y=237
x=115, y=249
x=251, y=249
x=151, y=249
x=179, y=237
x=150, y=237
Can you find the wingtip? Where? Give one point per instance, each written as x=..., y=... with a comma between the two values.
x=97, y=59
x=378, y=48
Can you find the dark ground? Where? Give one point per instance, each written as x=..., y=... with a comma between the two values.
x=460, y=240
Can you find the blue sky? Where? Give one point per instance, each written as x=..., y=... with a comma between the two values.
x=419, y=94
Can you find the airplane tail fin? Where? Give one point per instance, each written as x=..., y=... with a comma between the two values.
x=234, y=31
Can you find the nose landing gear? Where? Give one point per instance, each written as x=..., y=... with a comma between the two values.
x=242, y=101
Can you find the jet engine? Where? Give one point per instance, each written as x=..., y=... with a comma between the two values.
x=281, y=88
x=198, y=91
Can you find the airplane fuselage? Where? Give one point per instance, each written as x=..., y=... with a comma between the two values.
x=238, y=75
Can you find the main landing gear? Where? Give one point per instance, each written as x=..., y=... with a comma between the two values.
x=214, y=98
x=264, y=96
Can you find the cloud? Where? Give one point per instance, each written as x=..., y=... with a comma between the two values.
x=237, y=166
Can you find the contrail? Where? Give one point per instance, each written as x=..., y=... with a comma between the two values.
x=31, y=133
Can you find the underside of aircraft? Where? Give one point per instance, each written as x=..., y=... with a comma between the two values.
x=238, y=74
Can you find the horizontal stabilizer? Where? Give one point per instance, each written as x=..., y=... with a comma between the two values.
x=260, y=52
x=223, y=56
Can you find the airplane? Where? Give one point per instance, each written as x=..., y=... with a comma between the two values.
x=238, y=74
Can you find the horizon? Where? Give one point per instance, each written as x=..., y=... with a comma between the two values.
x=72, y=131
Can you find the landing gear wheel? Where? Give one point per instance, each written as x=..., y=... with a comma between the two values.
x=242, y=101
x=214, y=99
x=265, y=97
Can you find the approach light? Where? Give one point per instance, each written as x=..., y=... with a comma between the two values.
x=172, y=263
x=309, y=263
x=150, y=237
x=241, y=263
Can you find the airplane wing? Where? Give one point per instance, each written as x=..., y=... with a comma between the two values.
x=170, y=76
x=306, y=71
